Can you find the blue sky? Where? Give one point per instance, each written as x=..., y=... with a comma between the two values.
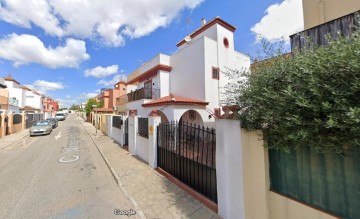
x=69, y=50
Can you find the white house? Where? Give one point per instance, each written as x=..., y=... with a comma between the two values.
x=22, y=98
x=189, y=84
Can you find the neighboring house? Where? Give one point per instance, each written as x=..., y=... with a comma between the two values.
x=33, y=102
x=326, y=17
x=4, y=96
x=188, y=85
x=108, y=98
x=50, y=105
x=21, y=98
x=318, y=12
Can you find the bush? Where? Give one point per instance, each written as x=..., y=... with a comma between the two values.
x=306, y=99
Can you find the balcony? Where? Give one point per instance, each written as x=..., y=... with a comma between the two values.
x=140, y=94
x=143, y=93
x=345, y=25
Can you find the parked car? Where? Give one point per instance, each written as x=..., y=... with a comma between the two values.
x=41, y=127
x=60, y=116
x=53, y=121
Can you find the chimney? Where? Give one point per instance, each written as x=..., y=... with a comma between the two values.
x=203, y=21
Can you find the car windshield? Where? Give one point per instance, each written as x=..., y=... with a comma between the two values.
x=41, y=123
x=60, y=114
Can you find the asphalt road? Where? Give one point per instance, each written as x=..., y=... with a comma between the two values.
x=61, y=175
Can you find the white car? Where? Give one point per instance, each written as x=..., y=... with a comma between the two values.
x=60, y=116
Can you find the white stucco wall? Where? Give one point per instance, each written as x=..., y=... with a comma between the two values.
x=229, y=170
x=187, y=75
x=157, y=60
x=142, y=148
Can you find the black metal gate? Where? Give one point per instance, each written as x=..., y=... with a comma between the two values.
x=188, y=152
x=126, y=142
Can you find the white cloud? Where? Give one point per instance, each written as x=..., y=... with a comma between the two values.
x=280, y=21
x=108, y=21
x=67, y=96
x=113, y=81
x=23, y=13
x=86, y=96
x=101, y=72
x=24, y=49
x=42, y=86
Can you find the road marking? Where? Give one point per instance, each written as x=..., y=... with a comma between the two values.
x=72, y=150
x=58, y=136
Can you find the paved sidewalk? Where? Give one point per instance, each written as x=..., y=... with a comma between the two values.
x=153, y=195
x=10, y=139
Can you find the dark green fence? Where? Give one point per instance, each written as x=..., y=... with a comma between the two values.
x=328, y=182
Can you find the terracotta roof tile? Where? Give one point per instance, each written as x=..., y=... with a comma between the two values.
x=175, y=100
x=103, y=109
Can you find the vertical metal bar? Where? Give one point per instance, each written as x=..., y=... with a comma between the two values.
x=206, y=166
x=197, y=158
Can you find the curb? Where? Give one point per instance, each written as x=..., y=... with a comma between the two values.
x=117, y=178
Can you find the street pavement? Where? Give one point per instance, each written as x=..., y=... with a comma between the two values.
x=151, y=194
x=60, y=175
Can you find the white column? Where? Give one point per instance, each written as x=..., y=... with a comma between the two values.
x=132, y=134
x=154, y=121
x=229, y=169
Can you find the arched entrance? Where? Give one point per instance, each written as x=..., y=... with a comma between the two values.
x=193, y=117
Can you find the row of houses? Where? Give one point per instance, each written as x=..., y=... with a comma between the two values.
x=17, y=98
x=242, y=180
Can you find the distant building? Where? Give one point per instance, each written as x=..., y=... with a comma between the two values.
x=318, y=12
x=4, y=96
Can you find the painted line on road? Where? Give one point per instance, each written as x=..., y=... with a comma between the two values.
x=58, y=136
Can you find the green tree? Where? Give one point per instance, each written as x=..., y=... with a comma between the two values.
x=305, y=99
x=89, y=104
x=74, y=107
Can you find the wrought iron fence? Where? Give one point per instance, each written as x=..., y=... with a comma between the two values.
x=187, y=152
x=143, y=127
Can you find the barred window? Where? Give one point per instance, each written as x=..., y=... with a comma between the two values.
x=143, y=129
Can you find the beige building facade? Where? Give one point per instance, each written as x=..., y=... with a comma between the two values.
x=317, y=12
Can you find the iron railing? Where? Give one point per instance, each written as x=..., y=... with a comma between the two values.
x=143, y=93
x=187, y=152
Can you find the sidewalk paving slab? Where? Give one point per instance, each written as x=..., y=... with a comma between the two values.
x=152, y=194
x=8, y=140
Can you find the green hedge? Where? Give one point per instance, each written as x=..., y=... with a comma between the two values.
x=310, y=98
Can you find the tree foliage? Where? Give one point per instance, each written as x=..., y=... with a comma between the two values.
x=90, y=103
x=75, y=107
x=305, y=99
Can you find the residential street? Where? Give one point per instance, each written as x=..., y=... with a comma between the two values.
x=61, y=175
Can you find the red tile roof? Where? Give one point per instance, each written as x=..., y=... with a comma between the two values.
x=216, y=20
x=9, y=78
x=175, y=100
x=103, y=109
x=29, y=108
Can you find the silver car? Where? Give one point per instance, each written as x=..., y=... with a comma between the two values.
x=41, y=127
